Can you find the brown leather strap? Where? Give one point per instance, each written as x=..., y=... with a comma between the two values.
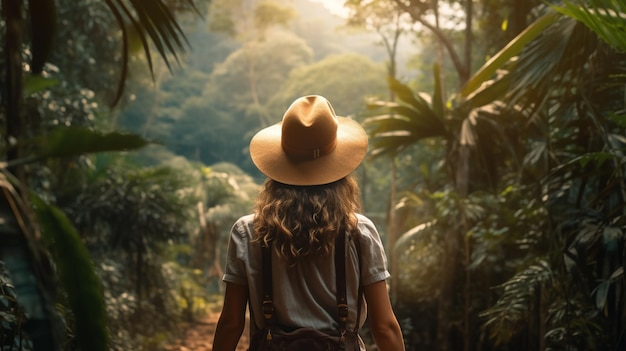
x=267, y=302
x=357, y=244
x=340, y=280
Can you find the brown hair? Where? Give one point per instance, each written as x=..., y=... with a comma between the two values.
x=302, y=221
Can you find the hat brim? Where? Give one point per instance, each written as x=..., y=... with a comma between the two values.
x=267, y=154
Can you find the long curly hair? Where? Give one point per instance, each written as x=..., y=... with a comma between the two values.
x=303, y=221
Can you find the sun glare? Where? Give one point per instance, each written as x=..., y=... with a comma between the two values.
x=334, y=6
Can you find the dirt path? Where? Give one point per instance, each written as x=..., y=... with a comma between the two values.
x=199, y=336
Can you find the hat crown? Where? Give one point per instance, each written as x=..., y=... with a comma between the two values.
x=310, y=146
x=309, y=128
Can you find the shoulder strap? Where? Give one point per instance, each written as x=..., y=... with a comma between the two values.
x=340, y=281
x=268, y=303
x=357, y=244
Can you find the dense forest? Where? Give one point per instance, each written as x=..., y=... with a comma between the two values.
x=494, y=173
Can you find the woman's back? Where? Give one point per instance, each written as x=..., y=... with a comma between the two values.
x=305, y=292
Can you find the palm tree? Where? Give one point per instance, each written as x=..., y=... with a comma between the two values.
x=568, y=84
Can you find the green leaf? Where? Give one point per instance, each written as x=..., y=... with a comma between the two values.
x=77, y=276
x=405, y=125
x=403, y=92
x=607, y=20
x=411, y=234
x=602, y=293
x=156, y=19
x=618, y=273
x=419, y=108
x=37, y=83
x=487, y=93
x=599, y=157
x=512, y=49
x=75, y=141
x=4, y=301
x=619, y=119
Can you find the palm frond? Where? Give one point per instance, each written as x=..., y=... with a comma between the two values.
x=606, y=18
x=76, y=141
x=416, y=102
x=405, y=123
x=150, y=19
x=518, y=293
x=78, y=276
x=489, y=69
x=29, y=267
x=554, y=59
x=487, y=93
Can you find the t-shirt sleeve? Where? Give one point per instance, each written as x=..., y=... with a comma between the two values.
x=235, y=269
x=373, y=257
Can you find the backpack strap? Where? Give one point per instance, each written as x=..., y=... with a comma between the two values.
x=357, y=245
x=340, y=281
x=267, y=303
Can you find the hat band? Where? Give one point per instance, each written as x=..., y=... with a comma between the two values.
x=308, y=154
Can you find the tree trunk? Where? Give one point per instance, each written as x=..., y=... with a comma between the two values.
x=12, y=12
x=392, y=233
x=391, y=46
x=18, y=249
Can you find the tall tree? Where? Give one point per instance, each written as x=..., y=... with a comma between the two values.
x=386, y=19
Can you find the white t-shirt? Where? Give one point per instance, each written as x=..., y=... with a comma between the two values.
x=304, y=294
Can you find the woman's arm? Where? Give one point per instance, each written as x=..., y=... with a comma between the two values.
x=233, y=317
x=383, y=323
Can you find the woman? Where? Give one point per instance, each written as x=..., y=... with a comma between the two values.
x=308, y=198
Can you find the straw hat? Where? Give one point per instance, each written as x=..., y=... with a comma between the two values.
x=311, y=146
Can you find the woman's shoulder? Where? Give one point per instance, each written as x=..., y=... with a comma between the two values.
x=365, y=223
x=366, y=226
x=244, y=225
x=245, y=219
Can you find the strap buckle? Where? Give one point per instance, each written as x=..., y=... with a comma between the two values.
x=268, y=309
x=342, y=312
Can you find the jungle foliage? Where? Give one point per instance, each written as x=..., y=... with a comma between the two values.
x=496, y=173
x=526, y=237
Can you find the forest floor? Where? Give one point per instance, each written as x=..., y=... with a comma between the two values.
x=198, y=335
